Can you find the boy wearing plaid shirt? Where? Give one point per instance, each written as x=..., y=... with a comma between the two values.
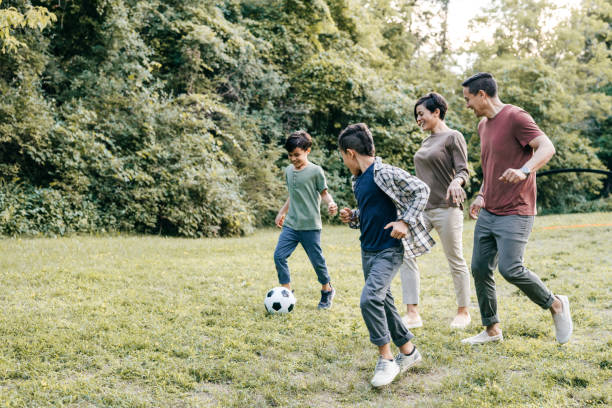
x=391, y=203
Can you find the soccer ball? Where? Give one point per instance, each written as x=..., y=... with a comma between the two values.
x=279, y=300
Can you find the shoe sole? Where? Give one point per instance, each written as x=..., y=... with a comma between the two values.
x=482, y=342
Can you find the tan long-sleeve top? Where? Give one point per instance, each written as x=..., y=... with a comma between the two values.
x=441, y=158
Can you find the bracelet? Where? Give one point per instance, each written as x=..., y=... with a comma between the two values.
x=480, y=194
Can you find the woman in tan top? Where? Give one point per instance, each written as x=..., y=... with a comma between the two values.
x=441, y=162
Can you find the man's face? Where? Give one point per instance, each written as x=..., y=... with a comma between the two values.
x=474, y=102
x=298, y=157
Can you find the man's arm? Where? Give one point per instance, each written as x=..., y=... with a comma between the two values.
x=543, y=151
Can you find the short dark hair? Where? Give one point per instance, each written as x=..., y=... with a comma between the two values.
x=481, y=80
x=357, y=137
x=432, y=101
x=299, y=139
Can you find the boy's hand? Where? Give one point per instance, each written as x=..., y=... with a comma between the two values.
x=400, y=229
x=280, y=219
x=332, y=208
x=345, y=215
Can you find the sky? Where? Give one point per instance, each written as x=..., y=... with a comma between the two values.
x=461, y=11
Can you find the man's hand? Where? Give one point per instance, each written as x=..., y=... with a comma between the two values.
x=456, y=192
x=279, y=220
x=400, y=229
x=513, y=176
x=345, y=215
x=477, y=204
x=332, y=208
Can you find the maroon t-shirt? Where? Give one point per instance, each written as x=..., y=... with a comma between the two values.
x=504, y=144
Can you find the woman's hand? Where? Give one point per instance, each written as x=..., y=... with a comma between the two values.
x=456, y=192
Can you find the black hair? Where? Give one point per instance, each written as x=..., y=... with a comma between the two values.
x=299, y=139
x=432, y=101
x=481, y=80
x=357, y=137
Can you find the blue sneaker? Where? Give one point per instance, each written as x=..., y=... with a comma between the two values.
x=326, y=298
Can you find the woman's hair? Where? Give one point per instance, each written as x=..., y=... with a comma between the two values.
x=432, y=101
x=299, y=139
x=357, y=137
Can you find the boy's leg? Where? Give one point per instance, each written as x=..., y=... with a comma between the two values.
x=512, y=235
x=311, y=242
x=484, y=261
x=379, y=268
x=287, y=242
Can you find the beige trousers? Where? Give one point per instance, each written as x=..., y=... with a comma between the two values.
x=448, y=222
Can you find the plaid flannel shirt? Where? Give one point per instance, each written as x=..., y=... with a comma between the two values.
x=410, y=195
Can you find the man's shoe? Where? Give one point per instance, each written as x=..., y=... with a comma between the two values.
x=483, y=337
x=411, y=323
x=405, y=361
x=385, y=372
x=326, y=298
x=563, y=321
x=461, y=322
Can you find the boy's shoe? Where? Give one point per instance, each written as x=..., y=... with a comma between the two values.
x=563, y=321
x=326, y=298
x=385, y=372
x=405, y=361
x=412, y=323
x=483, y=337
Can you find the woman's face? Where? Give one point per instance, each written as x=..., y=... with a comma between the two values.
x=425, y=119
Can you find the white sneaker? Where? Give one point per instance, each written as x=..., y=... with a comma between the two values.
x=412, y=323
x=461, y=322
x=483, y=337
x=385, y=372
x=563, y=321
x=405, y=361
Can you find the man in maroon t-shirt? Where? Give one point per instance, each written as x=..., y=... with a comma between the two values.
x=512, y=148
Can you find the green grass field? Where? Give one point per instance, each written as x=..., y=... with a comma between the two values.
x=159, y=322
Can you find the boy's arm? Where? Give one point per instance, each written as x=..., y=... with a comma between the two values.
x=332, y=207
x=413, y=193
x=280, y=217
x=350, y=217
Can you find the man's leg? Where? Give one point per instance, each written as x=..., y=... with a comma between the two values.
x=512, y=236
x=484, y=261
x=287, y=242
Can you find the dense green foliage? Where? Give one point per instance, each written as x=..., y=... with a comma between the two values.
x=169, y=116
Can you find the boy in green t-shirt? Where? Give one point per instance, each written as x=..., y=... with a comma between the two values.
x=300, y=217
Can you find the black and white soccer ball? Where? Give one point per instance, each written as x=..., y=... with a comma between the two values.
x=279, y=300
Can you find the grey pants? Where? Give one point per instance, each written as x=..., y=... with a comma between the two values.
x=377, y=308
x=501, y=240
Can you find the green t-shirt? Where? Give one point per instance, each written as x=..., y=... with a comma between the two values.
x=305, y=187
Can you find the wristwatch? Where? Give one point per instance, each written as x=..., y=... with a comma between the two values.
x=525, y=170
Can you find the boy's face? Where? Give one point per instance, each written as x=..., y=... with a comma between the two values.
x=299, y=157
x=350, y=161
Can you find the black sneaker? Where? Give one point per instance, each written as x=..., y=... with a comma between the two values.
x=326, y=298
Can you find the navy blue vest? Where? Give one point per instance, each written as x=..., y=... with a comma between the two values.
x=376, y=210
